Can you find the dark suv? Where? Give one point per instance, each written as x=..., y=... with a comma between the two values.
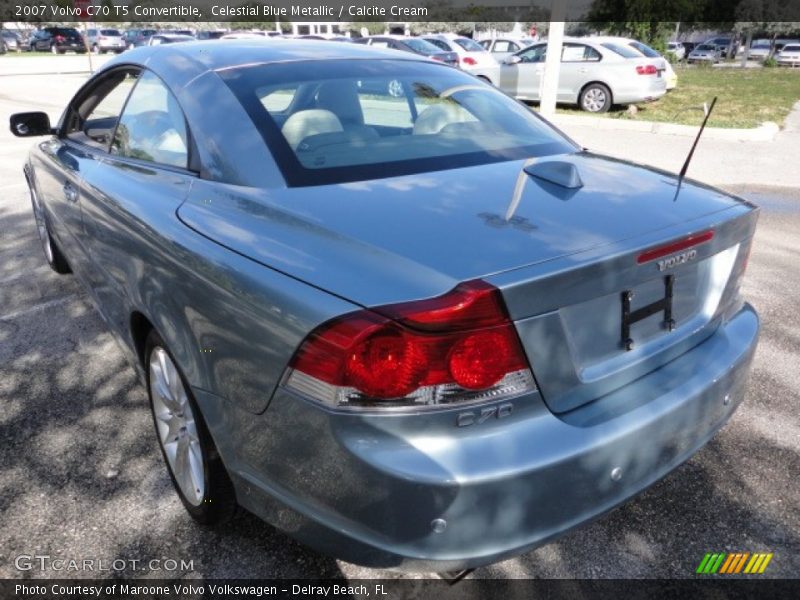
x=57, y=40
x=137, y=37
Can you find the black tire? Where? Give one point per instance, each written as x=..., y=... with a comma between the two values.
x=595, y=98
x=219, y=499
x=52, y=253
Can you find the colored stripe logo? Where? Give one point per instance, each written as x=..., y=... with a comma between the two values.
x=734, y=563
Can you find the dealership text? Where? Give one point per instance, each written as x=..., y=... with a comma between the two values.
x=193, y=589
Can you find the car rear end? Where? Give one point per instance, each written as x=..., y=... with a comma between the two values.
x=110, y=40
x=11, y=41
x=631, y=77
x=555, y=392
x=472, y=55
x=491, y=353
x=67, y=38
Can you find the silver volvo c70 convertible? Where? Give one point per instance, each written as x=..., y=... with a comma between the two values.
x=382, y=305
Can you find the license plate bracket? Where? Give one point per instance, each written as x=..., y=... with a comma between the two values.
x=630, y=317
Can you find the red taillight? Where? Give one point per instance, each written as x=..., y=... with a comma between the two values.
x=688, y=242
x=468, y=60
x=646, y=69
x=459, y=346
x=60, y=38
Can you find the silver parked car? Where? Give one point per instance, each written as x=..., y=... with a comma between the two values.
x=592, y=75
x=10, y=40
x=704, y=53
x=423, y=331
x=677, y=49
x=789, y=56
x=760, y=50
x=105, y=40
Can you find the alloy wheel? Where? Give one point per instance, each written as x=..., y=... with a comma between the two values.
x=177, y=429
x=594, y=100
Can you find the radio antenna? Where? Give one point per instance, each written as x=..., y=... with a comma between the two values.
x=697, y=139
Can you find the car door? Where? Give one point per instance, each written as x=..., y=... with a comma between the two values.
x=523, y=79
x=579, y=66
x=132, y=195
x=65, y=160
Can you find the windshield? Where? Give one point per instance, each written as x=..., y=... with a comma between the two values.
x=706, y=47
x=792, y=48
x=421, y=46
x=113, y=32
x=469, y=45
x=332, y=121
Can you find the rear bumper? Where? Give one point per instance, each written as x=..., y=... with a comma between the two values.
x=647, y=91
x=367, y=488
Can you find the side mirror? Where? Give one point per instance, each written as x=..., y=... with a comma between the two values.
x=30, y=124
x=512, y=60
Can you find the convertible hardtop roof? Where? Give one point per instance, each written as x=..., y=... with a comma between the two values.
x=195, y=58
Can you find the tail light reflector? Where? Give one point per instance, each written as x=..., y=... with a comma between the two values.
x=646, y=69
x=459, y=347
x=468, y=60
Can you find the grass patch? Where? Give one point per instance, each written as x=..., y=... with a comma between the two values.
x=747, y=97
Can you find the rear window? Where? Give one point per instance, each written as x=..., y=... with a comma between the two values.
x=341, y=121
x=645, y=49
x=440, y=44
x=113, y=32
x=421, y=46
x=706, y=47
x=469, y=45
x=623, y=51
x=791, y=48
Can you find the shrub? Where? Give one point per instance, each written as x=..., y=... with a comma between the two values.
x=770, y=62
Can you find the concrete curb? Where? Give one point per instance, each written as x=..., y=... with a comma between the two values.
x=765, y=133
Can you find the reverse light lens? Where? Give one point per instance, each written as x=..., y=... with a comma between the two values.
x=458, y=347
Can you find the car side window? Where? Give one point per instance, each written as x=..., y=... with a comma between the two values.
x=152, y=126
x=534, y=54
x=94, y=120
x=579, y=53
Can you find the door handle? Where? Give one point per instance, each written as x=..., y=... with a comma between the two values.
x=70, y=192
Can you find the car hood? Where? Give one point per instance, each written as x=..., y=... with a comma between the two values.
x=416, y=236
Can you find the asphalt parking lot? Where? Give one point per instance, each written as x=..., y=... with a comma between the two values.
x=81, y=475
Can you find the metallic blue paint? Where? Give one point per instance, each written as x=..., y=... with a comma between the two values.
x=230, y=259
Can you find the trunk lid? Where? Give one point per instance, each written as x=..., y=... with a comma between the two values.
x=417, y=236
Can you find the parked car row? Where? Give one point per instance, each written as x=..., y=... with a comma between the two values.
x=716, y=49
x=596, y=72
